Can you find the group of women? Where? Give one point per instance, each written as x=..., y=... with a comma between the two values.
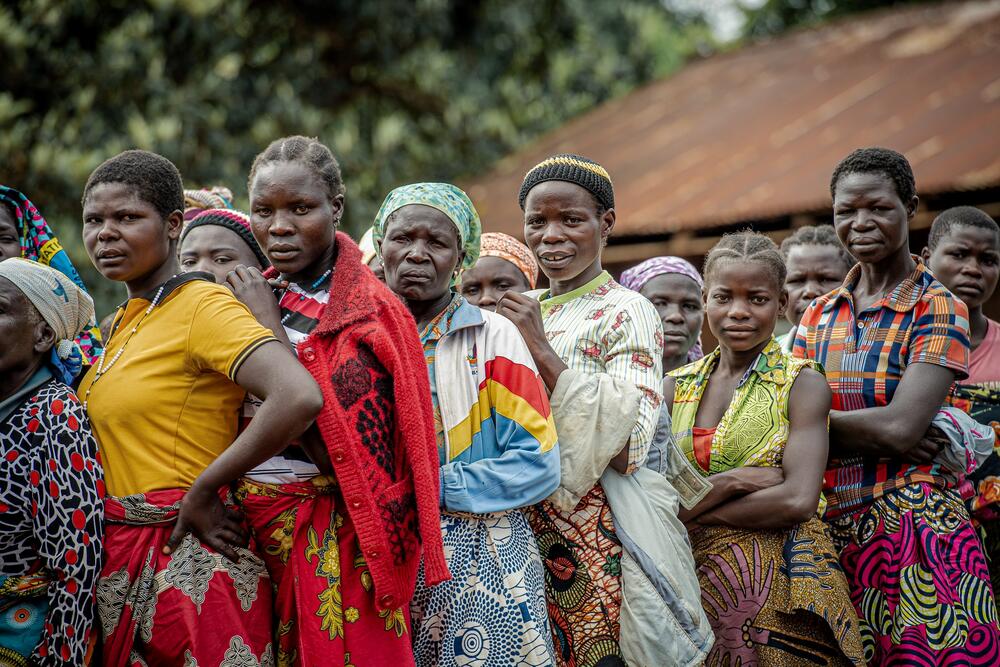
x=300, y=439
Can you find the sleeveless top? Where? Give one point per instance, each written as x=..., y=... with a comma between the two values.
x=754, y=429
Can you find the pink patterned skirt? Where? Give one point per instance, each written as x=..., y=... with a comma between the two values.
x=919, y=580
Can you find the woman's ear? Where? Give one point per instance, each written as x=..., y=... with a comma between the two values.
x=782, y=302
x=337, y=204
x=607, y=224
x=175, y=224
x=911, y=207
x=44, y=336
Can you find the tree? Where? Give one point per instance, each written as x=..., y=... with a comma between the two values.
x=400, y=90
x=776, y=16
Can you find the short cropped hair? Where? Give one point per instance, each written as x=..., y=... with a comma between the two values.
x=964, y=216
x=822, y=235
x=878, y=161
x=153, y=177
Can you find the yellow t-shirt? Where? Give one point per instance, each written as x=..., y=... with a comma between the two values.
x=169, y=406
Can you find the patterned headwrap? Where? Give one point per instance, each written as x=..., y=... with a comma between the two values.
x=505, y=246
x=196, y=201
x=445, y=197
x=63, y=304
x=38, y=243
x=640, y=274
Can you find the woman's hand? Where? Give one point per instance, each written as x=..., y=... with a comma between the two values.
x=255, y=292
x=927, y=448
x=526, y=314
x=215, y=525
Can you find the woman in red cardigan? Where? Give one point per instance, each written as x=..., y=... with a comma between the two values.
x=344, y=515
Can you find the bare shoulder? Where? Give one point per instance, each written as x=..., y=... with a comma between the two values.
x=810, y=391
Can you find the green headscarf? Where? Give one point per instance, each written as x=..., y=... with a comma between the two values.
x=445, y=197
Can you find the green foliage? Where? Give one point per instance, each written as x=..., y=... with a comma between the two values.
x=401, y=90
x=775, y=16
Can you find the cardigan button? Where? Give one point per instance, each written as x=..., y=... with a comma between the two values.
x=373, y=555
x=387, y=602
x=355, y=504
x=308, y=354
x=338, y=456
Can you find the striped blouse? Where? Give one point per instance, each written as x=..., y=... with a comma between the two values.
x=601, y=327
x=300, y=313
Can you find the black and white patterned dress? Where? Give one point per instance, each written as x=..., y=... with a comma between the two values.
x=51, y=527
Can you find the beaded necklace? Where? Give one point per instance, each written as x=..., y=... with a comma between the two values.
x=302, y=297
x=99, y=368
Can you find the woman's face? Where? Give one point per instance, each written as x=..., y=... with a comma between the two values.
x=564, y=231
x=813, y=270
x=743, y=302
x=216, y=250
x=871, y=220
x=490, y=279
x=10, y=235
x=293, y=218
x=678, y=301
x=126, y=237
x=420, y=253
x=967, y=262
x=25, y=335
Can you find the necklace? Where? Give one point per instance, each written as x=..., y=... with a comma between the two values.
x=99, y=368
x=302, y=297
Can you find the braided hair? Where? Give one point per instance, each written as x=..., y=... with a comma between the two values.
x=310, y=152
x=965, y=216
x=821, y=235
x=746, y=246
x=878, y=161
x=153, y=177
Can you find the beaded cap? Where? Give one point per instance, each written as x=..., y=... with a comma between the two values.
x=573, y=169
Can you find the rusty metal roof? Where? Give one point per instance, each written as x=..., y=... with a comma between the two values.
x=755, y=133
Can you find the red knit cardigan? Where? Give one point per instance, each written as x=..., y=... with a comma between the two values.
x=378, y=426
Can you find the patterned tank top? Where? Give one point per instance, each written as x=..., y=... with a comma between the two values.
x=754, y=429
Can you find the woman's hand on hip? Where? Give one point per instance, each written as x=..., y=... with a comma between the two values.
x=215, y=525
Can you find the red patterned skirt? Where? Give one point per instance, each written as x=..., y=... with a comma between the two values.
x=581, y=554
x=324, y=597
x=191, y=607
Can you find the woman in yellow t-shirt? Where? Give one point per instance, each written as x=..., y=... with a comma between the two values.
x=178, y=584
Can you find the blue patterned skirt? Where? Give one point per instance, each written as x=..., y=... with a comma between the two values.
x=492, y=611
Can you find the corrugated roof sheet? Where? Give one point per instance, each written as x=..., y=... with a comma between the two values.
x=755, y=133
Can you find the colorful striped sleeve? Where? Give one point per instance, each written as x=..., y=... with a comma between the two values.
x=940, y=334
x=516, y=423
